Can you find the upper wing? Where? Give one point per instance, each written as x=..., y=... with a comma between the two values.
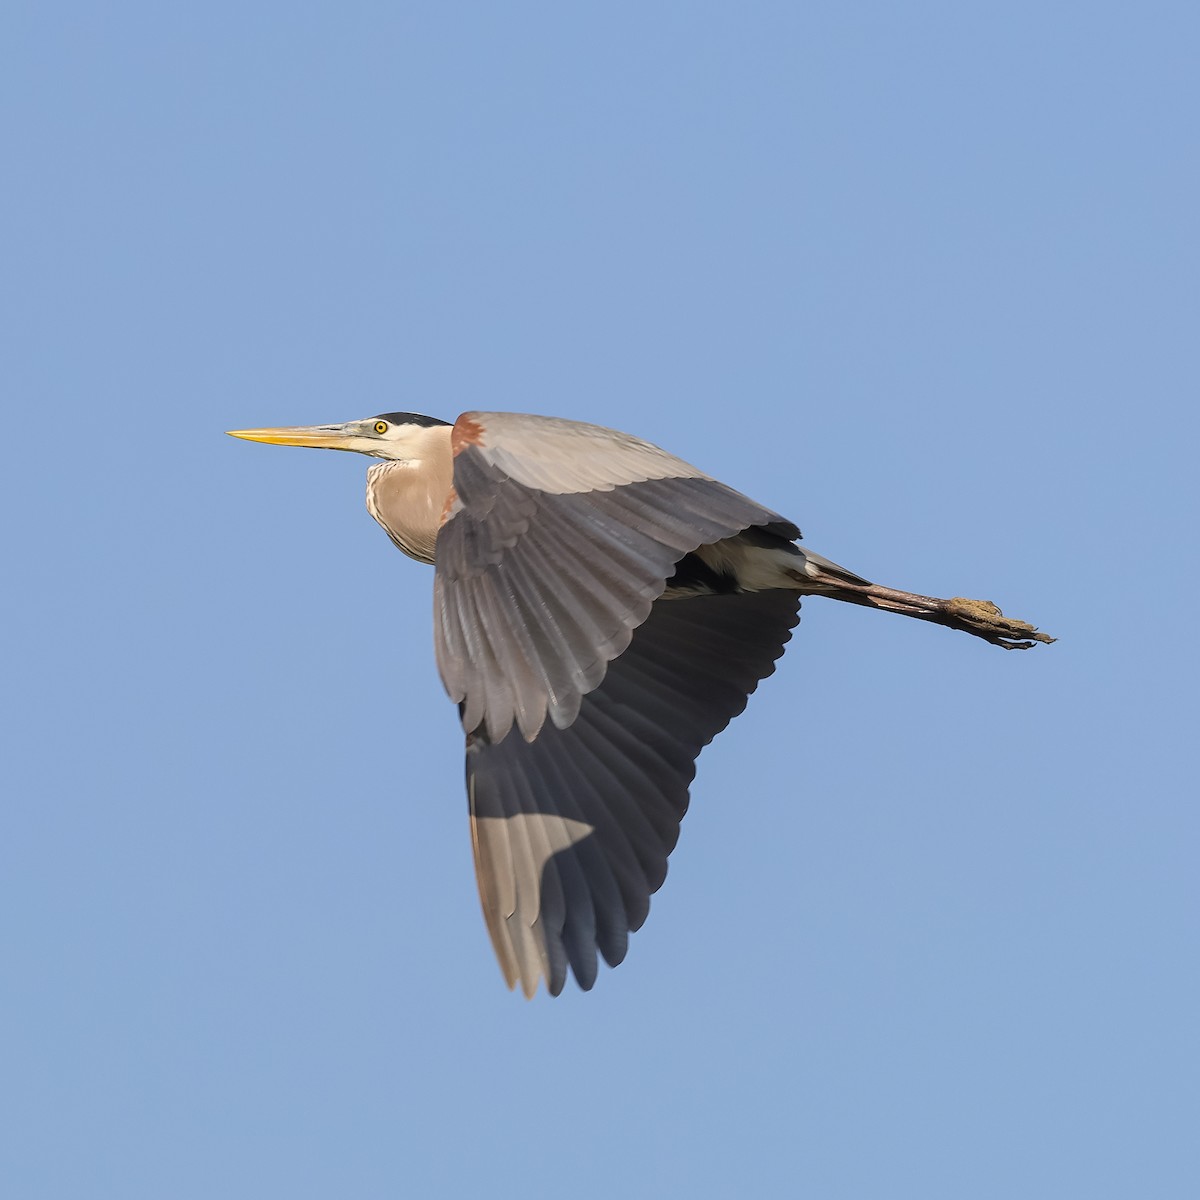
x=557, y=539
x=572, y=831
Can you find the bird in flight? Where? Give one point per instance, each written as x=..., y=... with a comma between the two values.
x=602, y=610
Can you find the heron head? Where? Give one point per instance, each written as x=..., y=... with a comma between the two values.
x=397, y=435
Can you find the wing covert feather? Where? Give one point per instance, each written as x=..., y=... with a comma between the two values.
x=558, y=538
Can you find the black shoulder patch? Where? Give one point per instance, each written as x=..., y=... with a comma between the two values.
x=399, y=418
x=693, y=574
x=774, y=535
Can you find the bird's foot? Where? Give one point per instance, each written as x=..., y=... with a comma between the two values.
x=985, y=620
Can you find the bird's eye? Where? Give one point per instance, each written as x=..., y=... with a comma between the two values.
x=381, y=427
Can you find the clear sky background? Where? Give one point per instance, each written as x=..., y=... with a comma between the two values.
x=921, y=276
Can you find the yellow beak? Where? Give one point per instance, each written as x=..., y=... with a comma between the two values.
x=325, y=437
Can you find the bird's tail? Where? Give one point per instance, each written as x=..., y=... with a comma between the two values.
x=980, y=618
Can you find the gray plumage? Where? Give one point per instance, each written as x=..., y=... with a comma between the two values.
x=572, y=830
x=536, y=592
x=602, y=610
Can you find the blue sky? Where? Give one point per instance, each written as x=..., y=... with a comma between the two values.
x=922, y=277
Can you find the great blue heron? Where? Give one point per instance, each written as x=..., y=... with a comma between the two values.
x=617, y=607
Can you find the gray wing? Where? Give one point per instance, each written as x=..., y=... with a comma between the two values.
x=557, y=539
x=571, y=832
